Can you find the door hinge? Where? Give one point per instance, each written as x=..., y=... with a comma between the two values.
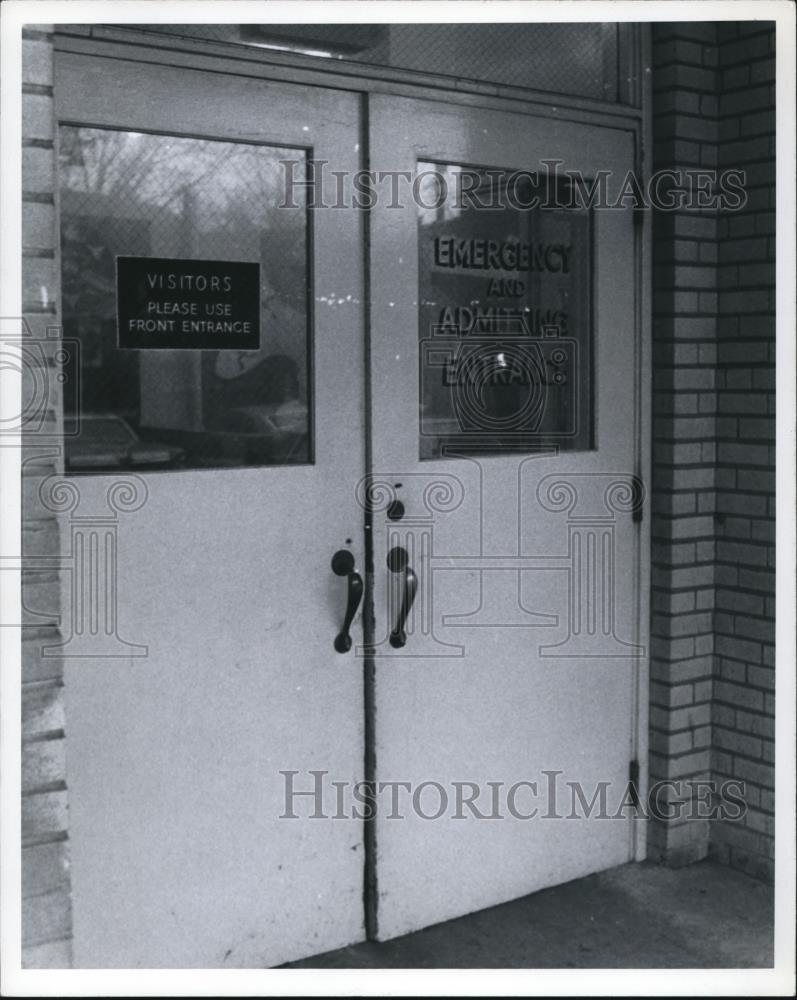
x=633, y=781
x=638, y=510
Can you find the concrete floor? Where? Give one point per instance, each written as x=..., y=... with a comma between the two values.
x=637, y=916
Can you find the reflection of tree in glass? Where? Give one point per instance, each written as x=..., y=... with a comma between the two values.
x=140, y=194
x=156, y=168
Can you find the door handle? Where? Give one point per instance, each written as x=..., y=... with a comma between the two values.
x=343, y=565
x=398, y=561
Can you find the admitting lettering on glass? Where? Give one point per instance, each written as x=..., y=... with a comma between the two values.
x=191, y=308
x=505, y=320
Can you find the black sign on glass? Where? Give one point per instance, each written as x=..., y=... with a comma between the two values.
x=197, y=305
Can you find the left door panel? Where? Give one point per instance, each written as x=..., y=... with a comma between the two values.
x=211, y=488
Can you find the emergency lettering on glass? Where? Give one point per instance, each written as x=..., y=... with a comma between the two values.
x=196, y=305
x=509, y=255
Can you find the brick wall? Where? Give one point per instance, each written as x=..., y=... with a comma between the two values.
x=46, y=907
x=712, y=604
x=743, y=710
x=685, y=127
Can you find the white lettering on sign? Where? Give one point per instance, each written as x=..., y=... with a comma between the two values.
x=151, y=325
x=190, y=326
x=216, y=326
x=156, y=308
x=189, y=282
x=169, y=308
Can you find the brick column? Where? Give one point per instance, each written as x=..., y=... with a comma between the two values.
x=744, y=698
x=685, y=126
x=712, y=627
x=46, y=904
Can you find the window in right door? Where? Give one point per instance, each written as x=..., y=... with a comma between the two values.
x=505, y=313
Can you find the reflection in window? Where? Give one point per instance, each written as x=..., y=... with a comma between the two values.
x=587, y=59
x=155, y=196
x=505, y=313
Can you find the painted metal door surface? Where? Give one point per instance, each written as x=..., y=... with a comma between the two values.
x=505, y=494
x=202, y=609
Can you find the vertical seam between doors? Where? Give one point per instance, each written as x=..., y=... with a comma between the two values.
x=370, y=894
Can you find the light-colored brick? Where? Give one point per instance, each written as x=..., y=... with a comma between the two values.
x=45, y=868
x=38, y=226
x=46, y=918
x=43, y=764
x=42, y=708
x=44, y=816
x=37, y=61
x=37, y=116
x=52, y=955
x=38, y=175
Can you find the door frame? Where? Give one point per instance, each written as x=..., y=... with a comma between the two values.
x=149, y=47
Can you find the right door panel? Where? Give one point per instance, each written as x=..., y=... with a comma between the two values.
x=504, y=358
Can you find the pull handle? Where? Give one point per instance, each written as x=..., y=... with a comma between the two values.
x=398, y=561
x=343, y=565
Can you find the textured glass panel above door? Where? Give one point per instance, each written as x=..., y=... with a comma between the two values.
x=575, y=59
x=186, y=287
x=505, y=322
